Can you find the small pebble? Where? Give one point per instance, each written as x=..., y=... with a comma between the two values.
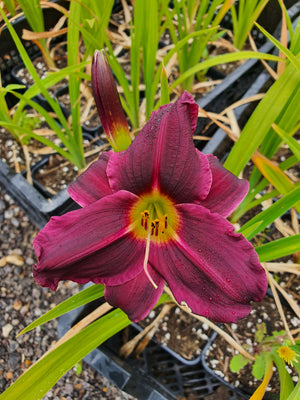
x=6, y=329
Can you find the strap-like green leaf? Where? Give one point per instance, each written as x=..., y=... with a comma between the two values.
x=290, y=56
x=290, y=141
x=83, y=297
x=278, y=248
x=222, y=59
x=41, y=377
x=270, y=108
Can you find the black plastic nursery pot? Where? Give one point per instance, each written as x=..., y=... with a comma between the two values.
x=247, y=80
x=38, y=203
x=38, y=207
x=157, y=374
x=9, y=56
x=92, y=127
x=217, y=353
x=243, y=392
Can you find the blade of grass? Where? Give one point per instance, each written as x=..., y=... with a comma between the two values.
x=266, y=113
x=150, y=45
x=135, y=57
x=50, y=121
x=274, y=175
x=245, y=205
x=278, y=248
x=266, y=217
x=223, y=59
x=83, y=297
x=34, y=14
x=28, y=64
x=11, y=126
x=11, y=7
x=42, y=376
x=74, y=82
x=290, y=56
x=164, y=91
x=290, y=141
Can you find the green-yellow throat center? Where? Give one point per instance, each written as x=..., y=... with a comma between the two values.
x=154, y=214
x=153, y=218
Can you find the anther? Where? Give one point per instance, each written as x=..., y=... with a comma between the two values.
x=166, y=221
x=144, y=220
x=152, y=228
x=156, y=222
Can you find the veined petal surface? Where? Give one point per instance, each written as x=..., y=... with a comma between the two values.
x=210, y=268
x=92, y=184
x=90, y=244
x=136, y=297
x=226, y=192
x=163, y=156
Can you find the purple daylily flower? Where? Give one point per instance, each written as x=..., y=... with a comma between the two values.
x=155, y=214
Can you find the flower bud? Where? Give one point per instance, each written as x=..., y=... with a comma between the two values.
x=108, y=103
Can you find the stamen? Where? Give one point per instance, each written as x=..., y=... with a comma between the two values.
x=142, y=219
x=156, y=222
x=148, y=240
x=166, y=221
x=152, y=228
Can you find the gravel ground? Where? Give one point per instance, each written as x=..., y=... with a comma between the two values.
x=22, y=301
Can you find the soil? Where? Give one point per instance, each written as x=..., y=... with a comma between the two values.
x=59, y=56
x=220, y=353
x=55, y=172
x=89, y=114
x=180, y=332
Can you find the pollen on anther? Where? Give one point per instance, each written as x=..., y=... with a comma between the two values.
x=156, y=223
x=152, y=228
x=144, y=219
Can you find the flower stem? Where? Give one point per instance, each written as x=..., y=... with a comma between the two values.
x=220, y=331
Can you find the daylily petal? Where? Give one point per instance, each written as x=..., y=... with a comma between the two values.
x=227, y=191
x=108, y=103
x=90, y=244
x=136, y=297
x=212, y=269
x=92, y=184
x=163, y=156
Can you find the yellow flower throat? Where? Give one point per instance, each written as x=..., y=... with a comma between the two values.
x=154, y=213
x=153, y=218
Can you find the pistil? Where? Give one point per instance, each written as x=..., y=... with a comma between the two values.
x=145, y=266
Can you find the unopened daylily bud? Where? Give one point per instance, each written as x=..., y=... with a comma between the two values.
x=108, y=103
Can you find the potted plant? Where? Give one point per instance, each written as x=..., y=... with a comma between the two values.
x=115, y=320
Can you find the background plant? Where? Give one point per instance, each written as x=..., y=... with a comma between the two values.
x=271, y=350
x=71, y=139
x=244, y=14
x=279, y=109
x=190, y=16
